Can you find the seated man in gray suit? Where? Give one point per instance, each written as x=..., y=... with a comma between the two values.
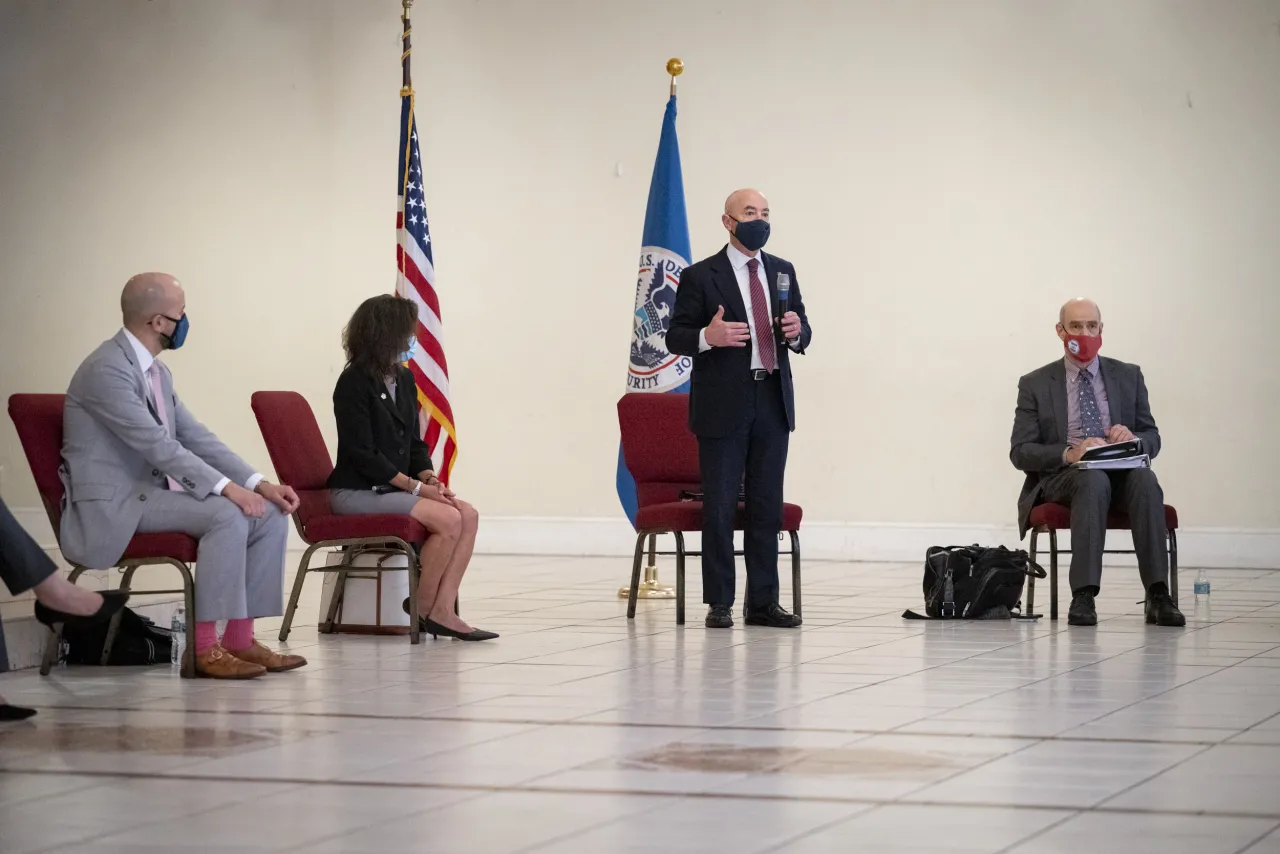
x=136, y=461
x=1065, y=408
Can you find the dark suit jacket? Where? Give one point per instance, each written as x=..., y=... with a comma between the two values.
x=378, y=437
x=716, y=397
x=1040, y=422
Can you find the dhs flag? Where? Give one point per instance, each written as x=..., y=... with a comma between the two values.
x=664, y=254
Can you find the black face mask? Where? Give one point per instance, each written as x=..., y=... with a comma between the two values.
x=753, y=234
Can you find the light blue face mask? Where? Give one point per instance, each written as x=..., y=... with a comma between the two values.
x=407, y=355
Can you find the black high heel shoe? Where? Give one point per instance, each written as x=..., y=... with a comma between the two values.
x=474, y=635
x=434, y=629
x=112, y=603
x=15, y=713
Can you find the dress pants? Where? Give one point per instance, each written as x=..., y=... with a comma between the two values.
x=1090, y=493
x=757, y=449
x=240, y=564
x=23, y=564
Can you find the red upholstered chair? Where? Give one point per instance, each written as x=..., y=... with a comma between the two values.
x=302, y=461
x=1052, y=518
x=662, y=455
x=38, y=418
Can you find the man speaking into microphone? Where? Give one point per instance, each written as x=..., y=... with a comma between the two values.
x=739, y=315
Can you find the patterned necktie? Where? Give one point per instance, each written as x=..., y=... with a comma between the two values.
x=1090, y=417
x=760, y=314
x=157, y=397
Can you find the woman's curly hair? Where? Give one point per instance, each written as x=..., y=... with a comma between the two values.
x=378, y=332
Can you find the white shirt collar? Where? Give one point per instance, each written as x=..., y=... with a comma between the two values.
x=739, y=259
x=144, y=355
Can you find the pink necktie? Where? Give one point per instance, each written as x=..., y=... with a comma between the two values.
x=157, y=397
x=760, y=313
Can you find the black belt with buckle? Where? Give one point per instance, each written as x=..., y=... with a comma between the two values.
x=760, y=375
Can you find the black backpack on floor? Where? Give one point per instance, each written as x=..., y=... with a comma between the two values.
x=974, y=583
x=138, y=641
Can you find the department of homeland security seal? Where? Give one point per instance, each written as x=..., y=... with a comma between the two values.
x=652, y=367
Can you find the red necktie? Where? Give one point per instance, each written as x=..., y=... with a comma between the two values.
x=760, y=313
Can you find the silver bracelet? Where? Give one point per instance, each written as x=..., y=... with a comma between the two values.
x=417, y=488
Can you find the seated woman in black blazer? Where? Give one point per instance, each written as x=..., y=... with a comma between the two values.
x=384, y=466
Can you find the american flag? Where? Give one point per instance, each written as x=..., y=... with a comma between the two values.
x=416, y=280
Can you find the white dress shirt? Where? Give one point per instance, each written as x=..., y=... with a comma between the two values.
x=145, y=360
x=738, y=260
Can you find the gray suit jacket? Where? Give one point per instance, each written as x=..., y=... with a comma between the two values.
x=1040, y=422
x=116, y=451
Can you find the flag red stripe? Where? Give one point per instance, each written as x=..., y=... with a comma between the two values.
x=419, y=282
x=432, y=347
x=433, y=393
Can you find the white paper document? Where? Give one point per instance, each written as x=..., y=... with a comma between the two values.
x=1142, y=461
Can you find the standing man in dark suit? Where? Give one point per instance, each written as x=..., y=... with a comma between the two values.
x=741, y=403
x=1065, y=408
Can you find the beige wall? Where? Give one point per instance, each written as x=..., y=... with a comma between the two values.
x=942, y=173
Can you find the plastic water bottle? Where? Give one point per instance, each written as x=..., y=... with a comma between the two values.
x=1202, y=588
x=179, y=645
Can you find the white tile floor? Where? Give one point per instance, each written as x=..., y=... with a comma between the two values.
x=581, y=732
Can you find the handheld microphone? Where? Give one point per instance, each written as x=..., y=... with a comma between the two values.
x=784, y=293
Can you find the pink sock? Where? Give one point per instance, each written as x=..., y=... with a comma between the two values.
x=239, y=634
x=206, y=636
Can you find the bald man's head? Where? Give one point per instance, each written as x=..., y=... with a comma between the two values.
x=151, y=305
x=1080, y=313
x=740, y=201
x=1080, y=329
x=745, y=206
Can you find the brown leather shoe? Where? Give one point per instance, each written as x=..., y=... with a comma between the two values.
x=217, y=663
x=273, y=662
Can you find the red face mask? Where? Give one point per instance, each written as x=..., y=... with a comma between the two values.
x=1083, y=348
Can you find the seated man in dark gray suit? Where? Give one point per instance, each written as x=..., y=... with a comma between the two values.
x=1065, y=408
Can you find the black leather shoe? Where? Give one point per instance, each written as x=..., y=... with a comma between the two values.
x=773, y=615
x=720, y=617
x=1082, y=612
x=112, y=602
x=1162, y=611
x=15, y=713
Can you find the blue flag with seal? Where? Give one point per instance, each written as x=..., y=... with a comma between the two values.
x=664, y=253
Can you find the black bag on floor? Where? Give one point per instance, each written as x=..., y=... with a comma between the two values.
x=974, y=583
x=138, y=641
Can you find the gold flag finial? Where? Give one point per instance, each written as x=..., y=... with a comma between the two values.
x=675, y=68
x=406, y=4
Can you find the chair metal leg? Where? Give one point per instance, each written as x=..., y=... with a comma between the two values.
x=338, y=590
x=415, y=578
x=187, y=667
x=113, y=628
x=298, y=582
x=1053, y=574
x=1031, y=579
x=1173, y=566
x=795, y=571
x=679, y=535
x=635, y=577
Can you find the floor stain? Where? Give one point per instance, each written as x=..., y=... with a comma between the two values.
x=158, y=741
x=732, y=759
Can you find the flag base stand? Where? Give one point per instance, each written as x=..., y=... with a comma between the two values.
x=650, y=588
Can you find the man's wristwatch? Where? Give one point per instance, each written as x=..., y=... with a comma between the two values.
x=417, y=487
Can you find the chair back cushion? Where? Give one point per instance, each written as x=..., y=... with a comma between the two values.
x=38, y=419
x=297, y=450
x=659, y=449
